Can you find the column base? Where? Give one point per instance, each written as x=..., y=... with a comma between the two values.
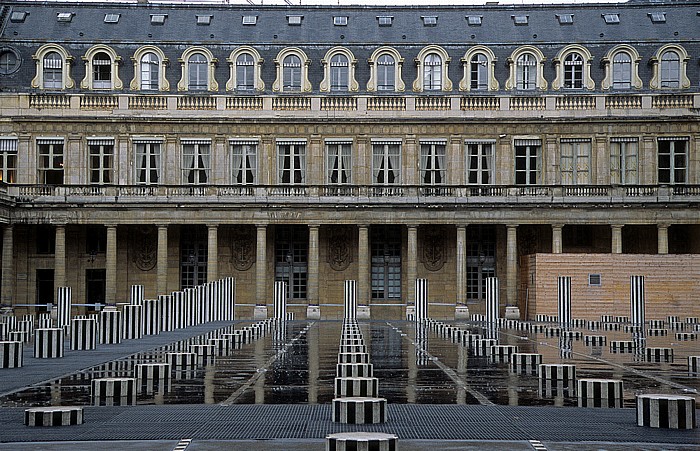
x=313, y=312
x=363, y=312
x=462, y=312
x=512, y=312
x=260, y=312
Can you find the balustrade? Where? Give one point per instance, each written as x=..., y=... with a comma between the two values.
x=244, y=103
x=338, y=103
x=433, y=103
x=99, y=102
x=386, y=103
x=148, y=103
x=527, y=103
x=49, y=101
x=196, y=103
x=623, y=102
x=476, y=103
x=291, y=103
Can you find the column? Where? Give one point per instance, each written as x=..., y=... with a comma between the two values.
x=162, y=259
x=60, y=258
x=412, y=263
x=111, y=265
x=663, y=238
x=512, y=264
x=461, y=264
x=363, y=266
x=616, y=238
x=312, y=275
x=212, y=252
x=261, y=265
x=8, y=266
x=556, y=238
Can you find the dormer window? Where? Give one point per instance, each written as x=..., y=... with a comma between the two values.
x=429, y=21
x=340, y=21
x=204, y=20
x=250, y=20
x=294, y=20
x=611, y=18
x=112, y=18
x=64, y=17
x=520, y=19
x=657, y=17
x=158, y=19
x=18, y=16
x=474, y=21
x=565, y=19
x=385, y=21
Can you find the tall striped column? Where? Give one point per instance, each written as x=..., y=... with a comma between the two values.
x=137, y=295
x=110, y=327
x=178, y=299
x=280, y=306
x=64, y=299
x=564, y=301
x=421, y=300
x=350, y=299
x=165, y=302
x=492, y=300
x=83, y=334
x=133, y=322
x=151, y=317
x=202, y=307
x=637, y=300
x=229, y=297
x=190, y=296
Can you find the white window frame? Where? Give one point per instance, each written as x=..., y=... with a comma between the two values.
x=162, y=63
x=200, y=165
x=55, y=156
x=609, y=82
x=328, y=82
x=338, y=162
x=66, y=81
x=491, y=83
x=256, y=67
x=660, y=78
x=433, y=153
x=536, y=80
x=575, y=161
x=148, y=161
x=433, y=69
x=373, y=83
x=101, y=160
x=293, y=152
x=573, y=75
x=624, y=161
x=89, y=82
x=480, y=163
x=8, y=159
x=244, y=161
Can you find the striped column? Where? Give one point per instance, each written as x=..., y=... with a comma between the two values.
x=229, y=298
x=44, y=321
x=153, y=377
x=83, y=334
x=202, y=307
x=421, y=300
x=280, y=301
x=349, y=387
x=48, y=343
x=133, y=322
x=564, y=300
x=361, y=441
x=694, y=365
x=64, y=299
x=165, y=302
x=114, y=391
x=359, y=410
x=53, y=416
x=178, y=299
x=151, y=317
x=182, y=360
x=666, y=411
x=11, y=355
x=137, y=295
x=350, y=299
x=557, y=372
x=26, y=326
x=492, y=300
x=110, y=327
x=637, y=300
x=600, y=393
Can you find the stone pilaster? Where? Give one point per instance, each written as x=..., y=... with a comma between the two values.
x=557, y=247
x=616, y=238
x=212, y=252
x=111, y=265
x=312, y=280
x=8, y=266
x=261, y=264
x=412, y=263
x=461, y=264
x=663, y=238
x=162, y=260
x=363, y=265
x=512, y=264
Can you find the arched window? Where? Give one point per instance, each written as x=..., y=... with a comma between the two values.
x=53, y=71
x=478, y=67
x=245, y=66
x=479, y=72
x=432, y=72
x=291, y=73
x=573, y=71
x=101, y=68
x=150, y=66
x=670, y=69
x=101, y=71
x=197, y=71
x=340, y=72
x=149, y=69
x=245, y=72
x=526, y=72
x=621, y=65
x=622, y=71
x=386, y=70
x=53, y=65
x=670, y=65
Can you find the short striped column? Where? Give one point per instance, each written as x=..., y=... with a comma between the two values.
x=564, y=300
x=222, y=346
x=354, y=370
x=48, y=343
x=178, y=298
x=557, y=371
x=622, y=346
x=114, y=391
x=525, y=363
x=11, y=354
x=362, y=441
x=153, y=377
x=180, y=361
x=133, y=322
x=205, y=353
x=18, y=335
x=353, y=357
x=4, y=331
x=110, y=327
x=350, y=300
x=352, y=348
x=686, y=336
x=356, y=386
x=136, y=295
x=482, y=347
x=165, y=303
x=359, y=410
x=492, y=300
x=83, y=334
x=657, y=332
x=468, y=339
x=53, y=416
x=659, y=354
x=637, y=307
x=595, y=340
x=64, y=299
x=502, y=353
x=694, y=365
x=44, y=321
x=151, y=317
x=421, y=300
x=600, y=393
x=26, y=326
x=657, y=324
x=280, y=301
x=666, y=411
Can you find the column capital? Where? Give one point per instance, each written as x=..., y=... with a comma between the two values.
x=512, y=226
x=663, y=225
x=617, y=226
x=558, y=226
x=412, y=226
x=112, y=225
x=314, y=226
x=363, y=226
x=213, y=226
x=261, y=226
x=461, y=226
x=162, y=226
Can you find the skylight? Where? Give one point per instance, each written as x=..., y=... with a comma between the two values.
x=18, y=16
x=611, y=18
x=250, y=20
x=294, y=20
x=474, y=20
x=385, y=21
x=340, y=21
x=429, y=21
x=158, y=19
x=204, y=20
x=64, y=17
x=657, y=17
x=565, y=19
x=112, y=18
x=520, y=19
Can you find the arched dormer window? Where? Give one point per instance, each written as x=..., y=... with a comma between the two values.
x=432, y=62
x=245, y=67
x=621, y=69
x=670, y=64
x=478, y=67
x=52, y=68
x=292, y=71
x=385, y=66
x=197, y=70
x=101, y=69
x=149, y=70
x=339, y=71
x=526, y=70
x=573, y=68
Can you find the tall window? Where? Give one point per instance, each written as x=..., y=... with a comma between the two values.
x=101, y=71
x=340, y=73
x=339, y=162
x=481, y=260
x=479, y=67
x=50, y=161
x=623, y=161
x=386, y=163
x=245, y=72
x=291, y=259
x=386, y=262
x=291, y=73
x=526, y=72
x=670, y=70
x=197, y=69
x=573, y=71
x=480, y=164
x=101, y=161
x=386, y=73
x=527, y=161
x=673, y=160
x=432, y=72
x=147, y=162
x=575, y=161
x=432, y=162
x=8, y=160
x=150, y=65
x=53, y=71
x=195, y=161
x=193, y=256
x=622, y=71
x=244, y=155
x=291, y=162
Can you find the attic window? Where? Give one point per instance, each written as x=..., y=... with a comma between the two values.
x=520, y=19
x=158, y=19
x=429, y=21
x=294, y=20
x=565, y=19
x=340, y=21
x=64, y=17
x=474, y=21
x=250, y=20
x=657, y=17
x=18, y=16
x=204, y=20
x=112, y=18
x=611, y=18
x=385, y=21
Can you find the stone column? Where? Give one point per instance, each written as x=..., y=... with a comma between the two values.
x=461, y=264
x=616, y=238
x=412, y=263
x=312, y=281
x=663, y=238
x=162, y=259
x=556, y=238
x=261, y=265
x=212, y=252
x=8, y=266
x=111, y=265
x=363, y=266
x=60, y=258
x=512, y=264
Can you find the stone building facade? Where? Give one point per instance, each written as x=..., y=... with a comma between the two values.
x=168, y=145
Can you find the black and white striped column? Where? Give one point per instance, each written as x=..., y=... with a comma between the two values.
x=637, y=302
x=64, y=299
x=11, y=354
x=137, y=295
x=53, y=416
x=557, y=371
x=151, y=317
x=114, y=391
x=359, y=410
x=48, y=343
x=362, y=441
x=350, y=299
x=44, y=321
x=694, y=365
x=178, y=299
x=110, y=327
x=280, y=301
x=182, y=360
x=348, y=387
x=666, y=411
x=600, y=393
x=132, y=321
x=564, y=300
x=165, y=302
x=421, y=300
x=492, y=300
x=152, y=377
x=528, y=363
x=83, y=334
